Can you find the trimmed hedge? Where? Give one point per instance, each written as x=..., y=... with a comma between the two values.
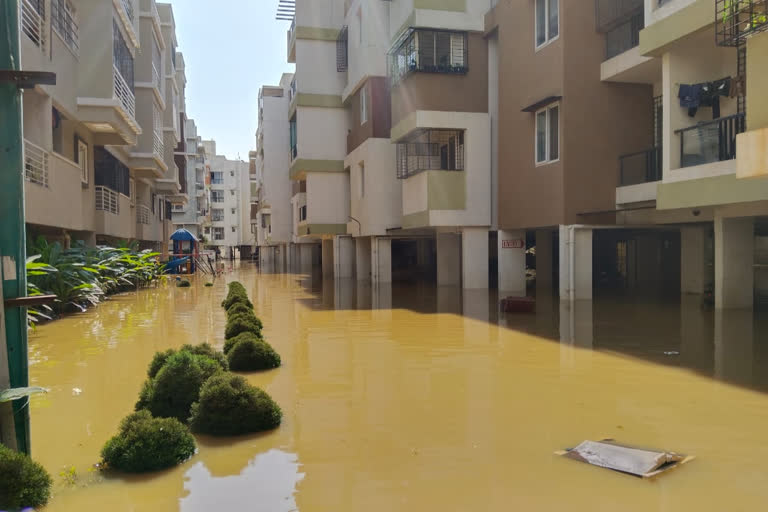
x=231, y=342
x=204, y=349
x=145, y=443
x=171, y=393
x=23, y=482
x=208, y=285
x=239, y=324
x=239, y=308
x=251, y=354
x=183, y=283
x=237, y=293
x=230, y=406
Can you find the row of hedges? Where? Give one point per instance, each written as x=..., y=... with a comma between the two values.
x=244, y=345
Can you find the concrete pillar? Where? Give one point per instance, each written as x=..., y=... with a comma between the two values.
x=305, y=257
x=381, y=260
x=734, y=345
x=474, y=255
x=327, y=248
x=363, y=257
x=544, y=261
x=734, y=262
x=422, y=254
x=692, y=259
x=343, y=257
x=448, y=259
x=575, y=263
x=511, y=263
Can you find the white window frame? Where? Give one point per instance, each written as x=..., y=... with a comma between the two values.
x=547, y=139
x=547, y=38
x=361, y=189
x=364, y=104
x=82, y=160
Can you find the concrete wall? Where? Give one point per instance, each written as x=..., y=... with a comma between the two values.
x=328, y=198
x=367, y=56
x=276, y=187
x=316, y=68
x=319, y=13
x=331, y=123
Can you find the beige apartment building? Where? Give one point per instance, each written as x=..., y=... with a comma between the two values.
x=100, y=144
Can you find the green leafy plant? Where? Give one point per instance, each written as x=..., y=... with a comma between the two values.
x=251, y=354
x=176, y=386
x=183, y=283
x=242, y=323
x=23, y=482
x=230, y=406
x=236, y=293
x=208, y=285
x=69, y=475
x=146, y=444
x=239, y=308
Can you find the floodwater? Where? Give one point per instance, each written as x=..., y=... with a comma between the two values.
x=411, y=398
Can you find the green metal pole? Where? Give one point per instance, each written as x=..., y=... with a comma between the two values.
x=12, y=226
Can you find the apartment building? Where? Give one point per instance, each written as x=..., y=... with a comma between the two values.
x=94, y=164
x=271, y=188
x=189, y=215
x=229, y=227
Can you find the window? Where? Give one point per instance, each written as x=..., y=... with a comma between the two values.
x=233, y=211
x=232, y=173
x=431, y=150
x=207, y=230
x=217, y=196
x=364, y=104
x=110, y=172
x=232, y=192
x=217, y=178
x=63, y=22
x=218, y=233
x=303, y=213
x=123, y=58
x=233, y=229
x=547, y=21
x=294, y=138
x=429, y=51
x=217, y=215
x=362, y=179
x=81, y=158
x=548, y=135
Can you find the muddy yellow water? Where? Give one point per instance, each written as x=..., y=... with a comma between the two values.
x=417, y=399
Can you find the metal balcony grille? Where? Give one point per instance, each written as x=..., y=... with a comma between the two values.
x=641, y=167
x=735, y=20
x=342, y=50
x=431, y=150
x=107, y=200
x=63, y=21
x=123, y=58
x=624, y=36
x=710, y=141
x=611, y=13
x=128, y=6
x=33, y=21
x=429, y=51
x=143, y=214
x=35, y=164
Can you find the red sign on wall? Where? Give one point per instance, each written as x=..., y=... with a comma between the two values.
x=513, y=244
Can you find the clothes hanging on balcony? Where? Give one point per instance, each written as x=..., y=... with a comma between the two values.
x=690, y=97
x=738, y=86
x=705, y=94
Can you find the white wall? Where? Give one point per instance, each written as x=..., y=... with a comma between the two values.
x=239, y=201
x=327, y=198
x=415, y=191
x=381, y=205
x=319, y=13
x=316, y=68
x=276, y=186
x=654, y=13
x=322, y=133
x=369, y=57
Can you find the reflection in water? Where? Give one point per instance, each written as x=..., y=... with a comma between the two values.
x=266, y=484
x=414, y=397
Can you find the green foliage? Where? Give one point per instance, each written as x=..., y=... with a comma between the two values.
x=158, y=360
x=69, y=475
x=23, y=482
x=145, y=444
x=205, y=349
x=237, y=293
x=242, y=323
x=230, y=406
x=231, y=342
x=239, y=308
x=183, y=283
x=176, y=386
x=82, y=276
x=208, y=285
x=252, y=354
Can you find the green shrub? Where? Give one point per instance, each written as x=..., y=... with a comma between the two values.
x=241, y=323
x=23, y=482
x=252, y=354
x=237, y=293
x=145, y=443
x=183, y=283
x=177, y=385
x=231, y=342
x=204, y=349
x=230, y=406
x=239, y=308
x=208, y=285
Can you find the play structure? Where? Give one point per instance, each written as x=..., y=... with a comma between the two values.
x=186, y=251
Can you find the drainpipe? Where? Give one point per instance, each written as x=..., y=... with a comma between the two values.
x=13, y=352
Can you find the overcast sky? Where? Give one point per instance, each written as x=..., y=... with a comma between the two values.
x=230, y=50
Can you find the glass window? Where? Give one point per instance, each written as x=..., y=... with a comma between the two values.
x=548, y=134
x=547, y=21
x=554, y=131
x=364, y=104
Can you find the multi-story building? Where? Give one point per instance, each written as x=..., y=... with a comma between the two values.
x=230, y=223
x=271, y=188
x=189, y=215
x=97, y=166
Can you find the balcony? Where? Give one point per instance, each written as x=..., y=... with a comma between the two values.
x=710, y=141
x=431, y=150
x=64, y=24
x=33, y=22
x=292, y=91
x=736, y=20
x=143, y=214
x=292, y=42
x=107, y=200
x=640, y=167
x=128, y=7
x=124, y=94
x=624, y=37
x=35, y=164
x=429, y=51
x=611, y=13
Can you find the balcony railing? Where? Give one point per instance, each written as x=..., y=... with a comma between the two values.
x=64, y=23
x=640, y=167
x=429, y=51
x=624, y=37
x=33, y=21
x=156, y=78
x=107, y=200
x=143, y=214
x=157, y=144
x=431, y=150
x=128, y=6
x=124, y=94
x=736, y=20
x=611, y=13
x=710, y=141
x=35, y=164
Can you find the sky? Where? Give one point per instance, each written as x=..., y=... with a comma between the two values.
x=229, y=52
